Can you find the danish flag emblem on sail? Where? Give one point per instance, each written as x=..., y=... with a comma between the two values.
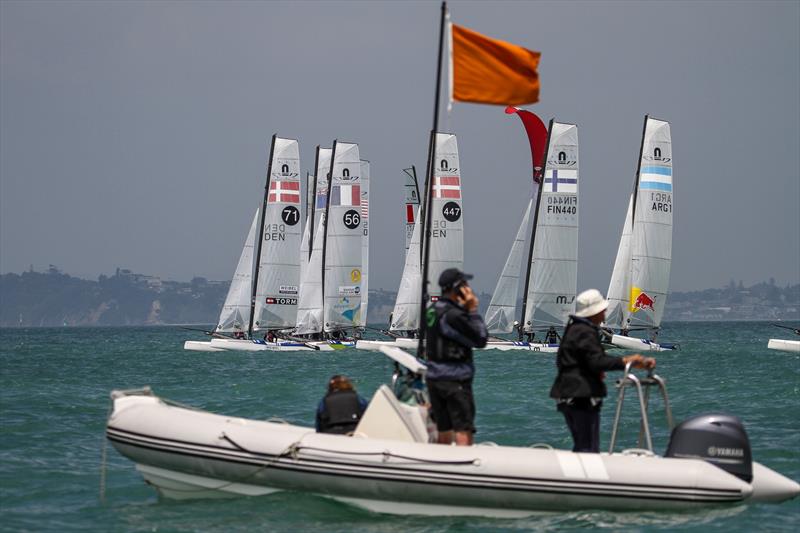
x=447, y=187
x=284, y=191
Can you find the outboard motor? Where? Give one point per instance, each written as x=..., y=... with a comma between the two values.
x=717, y=438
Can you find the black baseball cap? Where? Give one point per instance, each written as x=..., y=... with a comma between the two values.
x=452, y=276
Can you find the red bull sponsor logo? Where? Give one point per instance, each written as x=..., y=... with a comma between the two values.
x=641, y=300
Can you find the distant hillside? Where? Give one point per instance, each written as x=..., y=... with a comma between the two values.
x=125, y=298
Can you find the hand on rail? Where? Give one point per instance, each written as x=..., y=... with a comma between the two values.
x=639, y=361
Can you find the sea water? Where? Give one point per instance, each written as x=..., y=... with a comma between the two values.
x=55, y=401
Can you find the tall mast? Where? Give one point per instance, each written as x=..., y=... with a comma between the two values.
x=421, y=349
x=254, y=286
x=533, y=230
x=626, y=308
x=325, y=230
x=638, y=171
x=313, y=205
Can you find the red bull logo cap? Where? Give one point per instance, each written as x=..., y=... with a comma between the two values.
x=589, y=303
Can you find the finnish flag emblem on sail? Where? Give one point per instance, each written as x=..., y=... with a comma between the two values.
x=655, y=178
x=561, y=180
x=347, y=195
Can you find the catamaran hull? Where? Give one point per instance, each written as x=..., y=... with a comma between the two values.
x=411, y=344
x=639, y=345
x=186, y=453
x=521, y=345
x=242, y=345
x=784, y=345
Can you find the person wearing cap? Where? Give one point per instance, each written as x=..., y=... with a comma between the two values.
x=454, y=328
x=582, y=362
x=340, y=410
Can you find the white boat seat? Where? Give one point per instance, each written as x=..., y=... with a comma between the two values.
x=387, y=418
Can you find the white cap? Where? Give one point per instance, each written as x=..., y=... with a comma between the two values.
x=589, y=303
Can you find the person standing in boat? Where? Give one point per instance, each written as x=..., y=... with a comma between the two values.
x=340, y=410
x=582, y=362
x=454, y=329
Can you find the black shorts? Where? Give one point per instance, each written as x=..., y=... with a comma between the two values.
x=452, y=404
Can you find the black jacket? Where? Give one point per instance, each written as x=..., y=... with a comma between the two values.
x=581, y=361
x=451, y=335
x=339, y=412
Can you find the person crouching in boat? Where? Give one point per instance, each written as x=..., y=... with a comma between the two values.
x=582, y=362
x=454, y=329
x=341, y=408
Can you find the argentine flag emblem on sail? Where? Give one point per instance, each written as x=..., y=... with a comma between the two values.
x=655, y=178
x=561, y=180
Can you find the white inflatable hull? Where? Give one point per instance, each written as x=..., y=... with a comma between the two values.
x=639, y=345
x=784, y=345
x=244, y=345
x=186, y=453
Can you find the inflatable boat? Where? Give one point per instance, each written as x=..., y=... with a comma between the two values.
x=389, y=463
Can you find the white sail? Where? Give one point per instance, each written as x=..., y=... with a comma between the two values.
x=364, y=242
x=651, y=236
x=235, y=314
x=412, y=202
x=309, y=304
x=447, y=224
x=405, y=316
x=502, y=309
x=619, y=287
x=554, y=265
x=342, y=253
x=304, y=248
x=309, y=301
x=279, y=265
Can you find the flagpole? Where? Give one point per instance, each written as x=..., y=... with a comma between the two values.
x=421, y=352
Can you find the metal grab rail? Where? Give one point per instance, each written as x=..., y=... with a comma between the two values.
x=642, y=386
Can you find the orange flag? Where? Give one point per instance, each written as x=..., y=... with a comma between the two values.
x=488, y=71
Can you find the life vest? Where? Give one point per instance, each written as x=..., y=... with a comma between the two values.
x=341, y=413
x=441, y=349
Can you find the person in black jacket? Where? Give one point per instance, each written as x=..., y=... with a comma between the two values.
x=582, y=362
x=454, y=329
x=341, y=409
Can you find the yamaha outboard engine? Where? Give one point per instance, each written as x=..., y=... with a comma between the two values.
x=719, y=439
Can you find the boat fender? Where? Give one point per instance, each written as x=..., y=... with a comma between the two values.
x=717, y=438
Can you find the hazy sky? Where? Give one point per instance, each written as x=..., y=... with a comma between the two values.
x=135, y=134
